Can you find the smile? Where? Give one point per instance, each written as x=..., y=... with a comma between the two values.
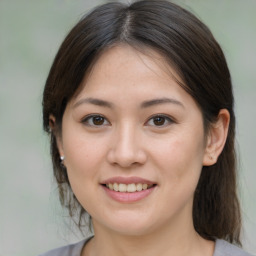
x=130, y=188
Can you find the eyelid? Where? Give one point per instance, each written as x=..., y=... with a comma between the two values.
x=85, y=120
x=170, y=120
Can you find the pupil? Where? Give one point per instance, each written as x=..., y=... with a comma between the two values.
x=159, y=120
x=98, y=120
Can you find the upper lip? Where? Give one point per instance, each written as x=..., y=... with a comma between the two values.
x=127, y=180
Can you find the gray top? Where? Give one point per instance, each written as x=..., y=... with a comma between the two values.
x=222, y=248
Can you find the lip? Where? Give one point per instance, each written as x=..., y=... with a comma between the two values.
x=127, y=180
x=128, y=197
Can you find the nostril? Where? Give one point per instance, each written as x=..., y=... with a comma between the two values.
x=125, y=158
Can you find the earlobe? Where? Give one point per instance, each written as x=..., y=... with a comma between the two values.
x=216, y=139
x=54, y=130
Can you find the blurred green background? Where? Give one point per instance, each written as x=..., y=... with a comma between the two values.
x=31, y=220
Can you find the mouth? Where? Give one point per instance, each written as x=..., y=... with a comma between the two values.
x=128, y=188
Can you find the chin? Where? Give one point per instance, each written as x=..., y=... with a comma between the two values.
x=129, y=225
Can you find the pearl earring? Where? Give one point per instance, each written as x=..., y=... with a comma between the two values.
x=62, y=161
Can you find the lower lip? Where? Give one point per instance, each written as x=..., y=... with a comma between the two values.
x=126, y=197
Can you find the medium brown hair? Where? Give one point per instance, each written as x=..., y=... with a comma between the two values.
x=190, y=48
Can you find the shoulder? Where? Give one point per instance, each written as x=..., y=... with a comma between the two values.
x=68, y=250
x=223, y=248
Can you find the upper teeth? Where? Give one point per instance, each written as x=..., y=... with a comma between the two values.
x=128, y=187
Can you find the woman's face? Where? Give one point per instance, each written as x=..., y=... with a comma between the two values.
x=134, y=144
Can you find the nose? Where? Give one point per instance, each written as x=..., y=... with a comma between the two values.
x=126, y=148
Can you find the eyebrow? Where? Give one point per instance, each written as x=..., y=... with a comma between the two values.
x=144, y=104
x=94, y=101
x=153, y=102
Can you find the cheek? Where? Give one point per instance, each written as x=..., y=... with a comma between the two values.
x=180, y=159
x=82, y=154
x=83, y=160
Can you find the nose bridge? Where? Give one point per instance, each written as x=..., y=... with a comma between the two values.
x=126, y=147
x=126, y=138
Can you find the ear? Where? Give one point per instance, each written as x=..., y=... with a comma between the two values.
x=216, y=138
x=54, y=129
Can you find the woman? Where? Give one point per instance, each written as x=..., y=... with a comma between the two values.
x=139, y=106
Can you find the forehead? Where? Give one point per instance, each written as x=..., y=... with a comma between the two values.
x=126, y=77
x=126, y=64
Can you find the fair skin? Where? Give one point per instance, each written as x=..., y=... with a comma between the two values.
x=133, y=124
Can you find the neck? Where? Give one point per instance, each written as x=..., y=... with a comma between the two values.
x=178, y=242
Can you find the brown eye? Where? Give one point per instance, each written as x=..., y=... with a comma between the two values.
x=159, y=120
x=95, y=120
x=98, y=120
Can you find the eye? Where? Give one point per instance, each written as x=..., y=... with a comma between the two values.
x=95, y=120
x=160, y=121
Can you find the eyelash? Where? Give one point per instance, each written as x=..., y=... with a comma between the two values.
x=91, y=119
x=167, y=120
